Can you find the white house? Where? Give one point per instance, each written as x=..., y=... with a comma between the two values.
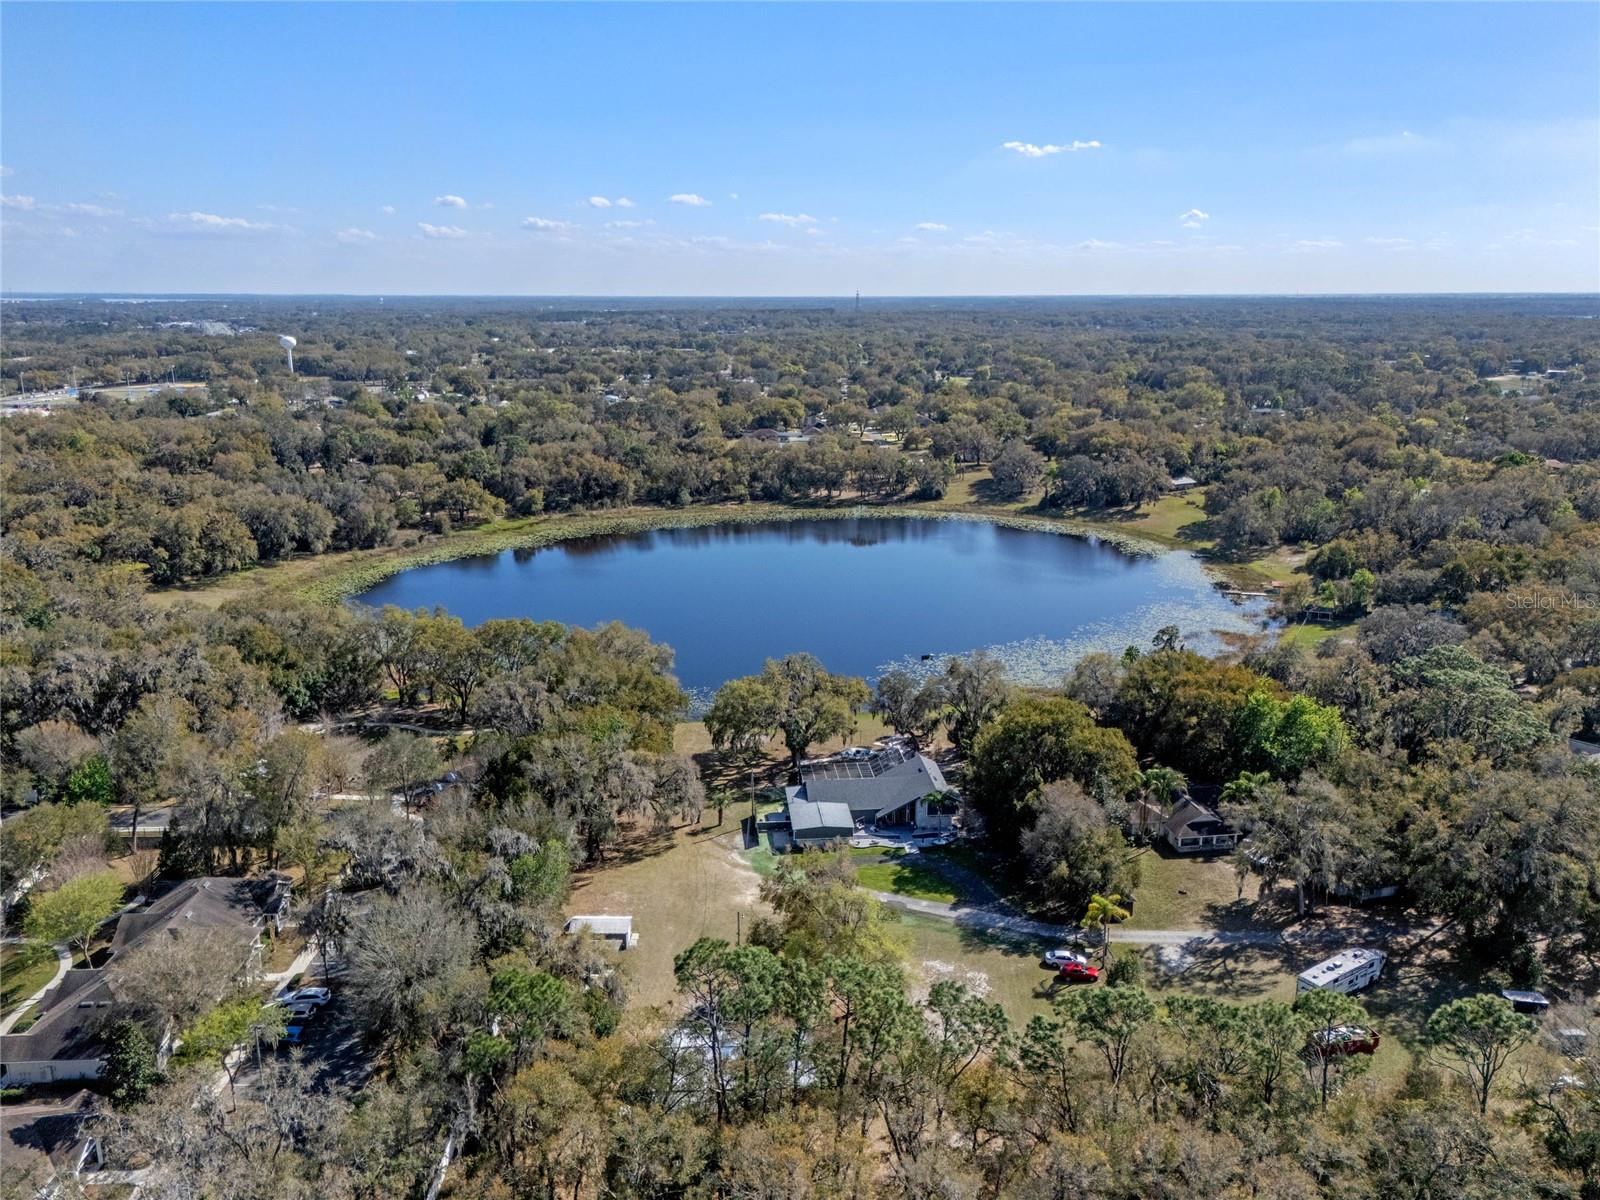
x=1195, y=829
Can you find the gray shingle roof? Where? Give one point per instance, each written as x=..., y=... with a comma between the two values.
x=886, y=781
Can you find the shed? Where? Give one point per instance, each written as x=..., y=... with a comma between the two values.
x=1526, y=1002
x=612, y=928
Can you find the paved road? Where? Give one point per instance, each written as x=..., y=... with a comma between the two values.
x=999, y=920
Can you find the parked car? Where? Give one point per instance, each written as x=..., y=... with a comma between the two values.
x=314, y=996
x=1057, y=958
x=1346, y=1039
x=1079, y=972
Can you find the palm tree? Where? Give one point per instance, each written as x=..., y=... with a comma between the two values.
x=1244, y=788
x=1101, y=913
x=1162, y=785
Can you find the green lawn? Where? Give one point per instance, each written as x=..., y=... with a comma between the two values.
x=24, y=969
x=1190, y=893
x=906, y=877
x=1311, y=633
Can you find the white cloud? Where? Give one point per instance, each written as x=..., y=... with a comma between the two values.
x=1316, y=244
x=692, y=199
x=733, y=195
x=1030, y=150
x=930, y=226
x=793, y=222
x=624, y=202
x=1390, y=243
x=598, y=202
x=441, y=231
x=23, y=202
x=211, y=221
x=387, y=209
x=448, y=201
x=1387, y=144
x=628, y=224
x=354, y=236
x=5, y=172
x=91, y=210
x=1193, y=219
x=545, y=224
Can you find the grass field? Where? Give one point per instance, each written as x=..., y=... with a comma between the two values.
x=24, y=969
x=1190, y=893
x=1312, y=634
x=678, y=886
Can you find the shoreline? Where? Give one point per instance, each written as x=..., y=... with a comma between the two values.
x=330, y=579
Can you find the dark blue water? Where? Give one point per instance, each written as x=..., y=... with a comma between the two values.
x=861, y=594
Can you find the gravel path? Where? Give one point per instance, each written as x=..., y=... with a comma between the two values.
x=1000, y=921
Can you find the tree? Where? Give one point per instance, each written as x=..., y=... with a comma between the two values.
x=793, y=695
x=529, y=1006
x=1162, y=785
x=742, y=715
x=74, y=911
x=1037, y=740
x=1017, y=469
x=1109, y=1018
x=909, y=706
x=1072, y=851
x=214, y=1037
x=30, y=840
x=973, y=689
x=404, y=955
x=455, y=662
x=128, y=1068
x=1474, y=1036
x=89, y=783
x=171, y=980
x=1100, y=914
x=403, y=764
x=1324, y=1011
x=1448, y=692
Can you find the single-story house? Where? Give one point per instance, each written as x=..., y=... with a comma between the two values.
x=65, y=1042
x=1195, y=829
x=43, y=1144
x=1182, y=483
x=891, y=787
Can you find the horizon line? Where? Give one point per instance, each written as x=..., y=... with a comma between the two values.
x=844, y=297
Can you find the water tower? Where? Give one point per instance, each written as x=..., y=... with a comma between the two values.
x=288, y=344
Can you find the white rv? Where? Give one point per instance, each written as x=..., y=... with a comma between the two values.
x=1346, y=971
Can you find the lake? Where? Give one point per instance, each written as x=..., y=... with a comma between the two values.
x=862, y=594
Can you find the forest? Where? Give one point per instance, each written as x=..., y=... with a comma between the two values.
x=1416, y=481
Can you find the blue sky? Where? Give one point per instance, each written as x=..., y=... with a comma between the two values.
x=800, y=149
